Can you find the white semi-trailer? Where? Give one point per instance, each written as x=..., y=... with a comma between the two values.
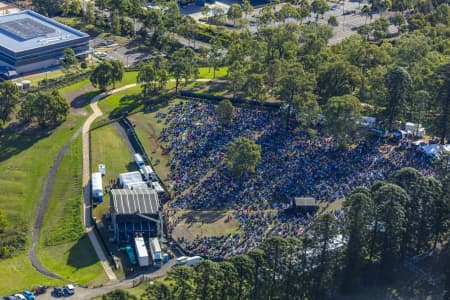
x=141, y=251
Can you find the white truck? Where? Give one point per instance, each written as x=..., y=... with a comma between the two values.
x=97, y=187
x=155, y=250
x=141, y=251
x=139, y=160
x=148, y=173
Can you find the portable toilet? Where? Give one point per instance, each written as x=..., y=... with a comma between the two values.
x=26, y=84
x=102, y=169
x=166, y=258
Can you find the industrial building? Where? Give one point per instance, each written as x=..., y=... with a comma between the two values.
x=31, y=42
x=134, y=212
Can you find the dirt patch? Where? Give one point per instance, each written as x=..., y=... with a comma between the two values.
x=79, y=99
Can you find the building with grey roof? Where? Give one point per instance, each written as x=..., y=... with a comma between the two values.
x=30, y=42
x=135, y=211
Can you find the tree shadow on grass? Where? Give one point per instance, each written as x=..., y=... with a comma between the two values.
x=82, y=254
x=127, y=105
x=13, y=141
x=83, y=100
x=131, y=167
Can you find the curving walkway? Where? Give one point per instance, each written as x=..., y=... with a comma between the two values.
x=86, y=177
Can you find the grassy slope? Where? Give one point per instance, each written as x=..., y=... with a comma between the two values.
x=107, y=147
x=115, y=101
x=64, y=247
x=25, y=161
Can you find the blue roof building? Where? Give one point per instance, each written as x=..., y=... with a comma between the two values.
x=30, y=42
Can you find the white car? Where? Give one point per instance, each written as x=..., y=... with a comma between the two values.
x=100, y=54
x=69, y=289
x=20, y=297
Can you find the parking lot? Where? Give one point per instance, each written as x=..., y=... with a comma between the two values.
x=107, y=49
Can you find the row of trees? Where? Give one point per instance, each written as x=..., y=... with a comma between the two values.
x=44, y=108
x=384, y=225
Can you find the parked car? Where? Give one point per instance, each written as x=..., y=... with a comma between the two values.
x=29, y=295
x=69, y=289
x=39, y=290
x=20, y=297
x=58, y=291
x=11, y=298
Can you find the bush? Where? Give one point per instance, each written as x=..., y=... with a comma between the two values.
x=83, y=65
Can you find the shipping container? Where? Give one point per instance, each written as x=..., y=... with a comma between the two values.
x=141, y=251
x=97, y=187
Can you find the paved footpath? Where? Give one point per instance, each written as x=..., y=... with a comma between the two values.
x=86, y=177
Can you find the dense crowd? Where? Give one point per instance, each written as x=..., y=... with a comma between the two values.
x=293, y=164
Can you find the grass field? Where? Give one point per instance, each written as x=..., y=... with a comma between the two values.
x=148, y=129
x=25, y=160
x=207, y=73
x=64, y=247
x=35, y=78
x=122, y=101
x=107, y=147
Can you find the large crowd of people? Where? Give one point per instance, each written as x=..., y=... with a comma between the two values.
x=293, y=164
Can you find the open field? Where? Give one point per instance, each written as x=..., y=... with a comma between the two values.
x=25, y=160
x=195, y=223
x=108, y=147
x=148, y=129
x=122, y=101
x=35, y=78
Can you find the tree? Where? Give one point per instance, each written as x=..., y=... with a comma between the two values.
x=236, y=77
x=399, y=85
x=295, y=84
x=9, y=98
x=319, y=7
x=69, y=58
x=254, y=87
x=208, y=280
x=157, y=291
x=358, y=206
x=225, y=112
x=338, y=79
x=341, y=114
x=147, y=78
x=215, y=55
x=184, y=277
x=332, y=21
x=48, y=7
x=119, y=295
x=244, y=266
x=442, y=98
x=116, y=27
x=117, y=71
x=182, y=65
x=45, y=108
x=89, y=15
x=392, y=219
x=102, y=76
x=242, y=156
x=234, y=12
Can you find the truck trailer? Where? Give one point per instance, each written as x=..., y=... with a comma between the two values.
x=155, y=250
x=141, y=251
x=139, y=160
x=97, y=187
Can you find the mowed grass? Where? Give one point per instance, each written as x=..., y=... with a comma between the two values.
x=127, y=100
x=35, y=78
x=108, y=147
x=74, y=87
x=25, y=161
x=148, y=128
x=64, y=247
x=75, y=262
x=208, y=73
x=17, y=274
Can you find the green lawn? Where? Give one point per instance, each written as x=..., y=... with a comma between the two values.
x=17, y=274
x=122, y=101
x=107, y=147
x=35, y=78
x=75, y=262
x=148, y=129
x=207, y=73
x=25, y=161
x=74, y=87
